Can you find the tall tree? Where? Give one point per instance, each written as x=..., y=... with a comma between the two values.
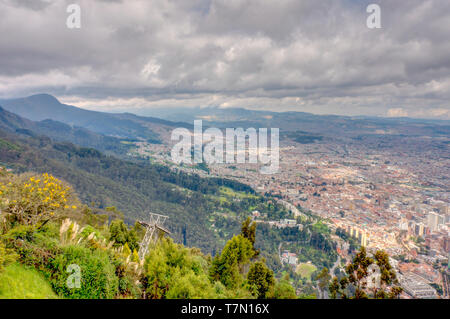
x=121, y=235
x=261, y=279
x=323, y=279
x=358, y=274
x=229, y=266
x=388, y=278
x=248, y=231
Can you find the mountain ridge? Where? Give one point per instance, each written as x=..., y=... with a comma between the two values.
x=61, y=132
x=104, y=180
x=44, y=106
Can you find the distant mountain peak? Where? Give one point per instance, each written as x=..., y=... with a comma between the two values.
x=44, y=97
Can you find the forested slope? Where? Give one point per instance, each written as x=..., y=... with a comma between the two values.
x=135, y=189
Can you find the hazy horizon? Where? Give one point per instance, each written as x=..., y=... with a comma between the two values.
x=156, y=111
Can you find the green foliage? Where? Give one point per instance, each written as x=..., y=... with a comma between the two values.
x=34, y=247
x=98, y=279
x=113, y=211
x=23, y=232
x=88, y=230
x=7, y=256
x=172, y=271
x=41, y=249
x=126, y=250
x=284, y=290
x=248, y=231
x=354, y=284
x=127, y=277
x=309, y=245
x=321, y=228
x=118, y=232
x=323, y=279
x=388, y=278
x=261, y=279
x=357, y=271
x=191, y=286
x=121, y=235
x=135, y=256
x=7, y=145
x=228, y=267
x=132, y=187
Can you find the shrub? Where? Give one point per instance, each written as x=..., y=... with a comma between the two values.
x=173, y=271
x=190, y=286
x=34, y=247
x=98, y=279
x=22, y=232
x=7, y=256
x=284, y=290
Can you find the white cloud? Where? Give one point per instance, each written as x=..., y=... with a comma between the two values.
x=313, y=56
x=397, y=112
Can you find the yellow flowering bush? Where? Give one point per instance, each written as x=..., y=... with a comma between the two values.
x=30, y=200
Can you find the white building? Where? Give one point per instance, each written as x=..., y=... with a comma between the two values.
x=416, y=287
x=434, y=220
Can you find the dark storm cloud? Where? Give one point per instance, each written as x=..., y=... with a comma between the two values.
x=315, y=56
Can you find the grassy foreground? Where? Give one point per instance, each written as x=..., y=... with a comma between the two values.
x=22, y=282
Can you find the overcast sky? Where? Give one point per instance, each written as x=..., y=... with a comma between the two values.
x=311, y=56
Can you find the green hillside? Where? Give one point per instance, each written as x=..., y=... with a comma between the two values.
x=51, y=247
x=62, y=132
x=134, y=188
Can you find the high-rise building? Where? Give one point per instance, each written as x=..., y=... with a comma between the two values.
x=433, y=221
x=419, y=229
x=403, y=224
x=364, y=240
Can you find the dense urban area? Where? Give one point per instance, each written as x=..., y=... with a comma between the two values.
x=392, y=196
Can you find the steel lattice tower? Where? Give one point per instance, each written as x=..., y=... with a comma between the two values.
x=155, y=223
